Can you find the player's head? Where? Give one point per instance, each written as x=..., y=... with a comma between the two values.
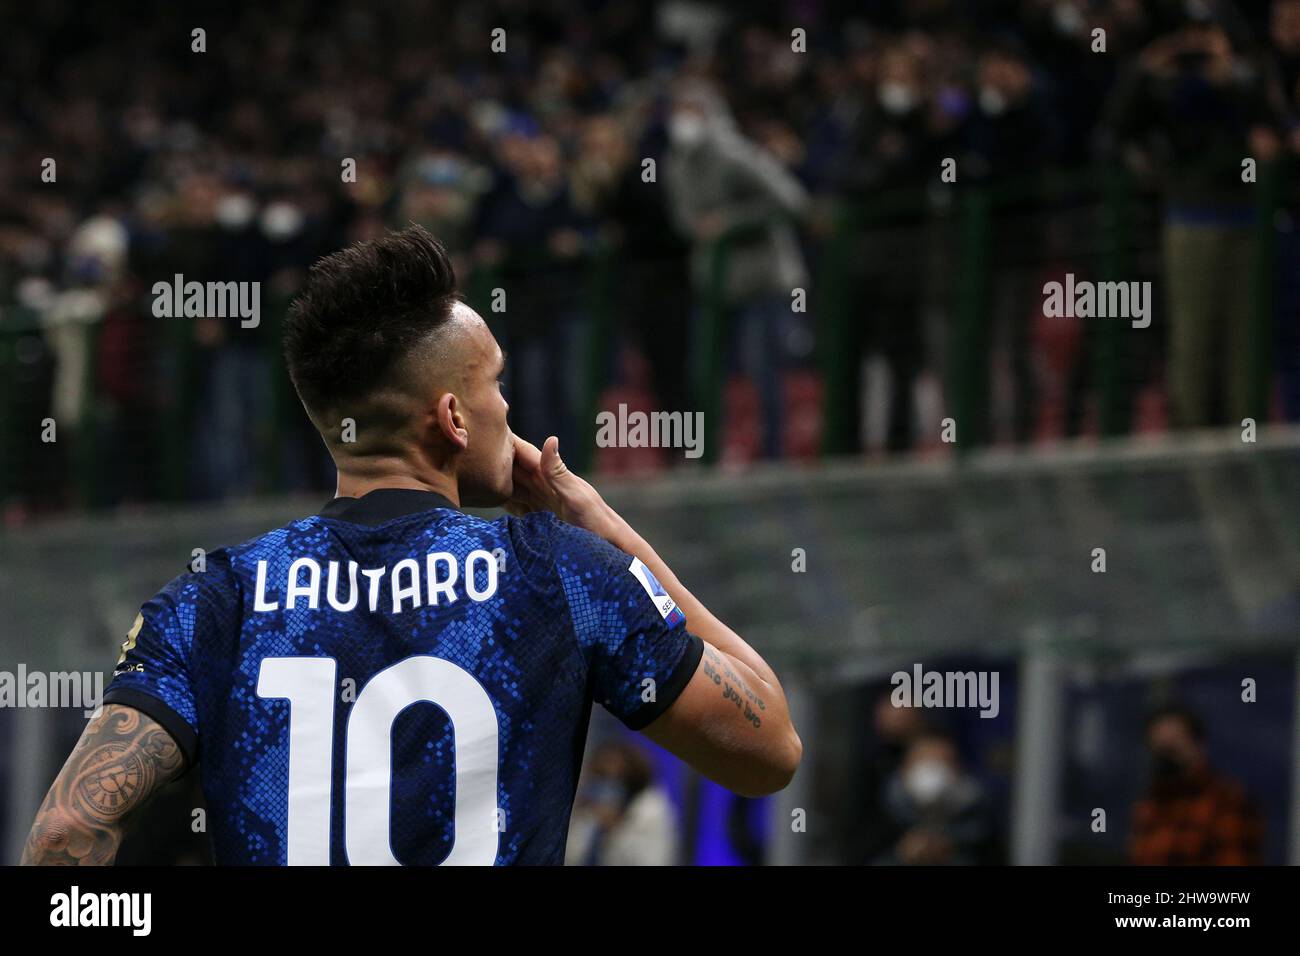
x=1176, y=739
x=380, y=336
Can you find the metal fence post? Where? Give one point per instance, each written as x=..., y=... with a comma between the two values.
x=968, y=360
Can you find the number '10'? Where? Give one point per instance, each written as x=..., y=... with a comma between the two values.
x=308, y=684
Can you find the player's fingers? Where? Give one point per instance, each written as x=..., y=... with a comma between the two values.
x=529, y=489
x=553, y=466
x=527, y=455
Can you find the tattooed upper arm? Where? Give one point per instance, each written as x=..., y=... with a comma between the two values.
x=121, y=760
x=723, y=726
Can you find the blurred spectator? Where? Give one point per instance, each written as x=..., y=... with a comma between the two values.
x=621, y=817
x=1015, y=137
x=532, y=235
x=1060, y=32
x=1190, y=109
x=652, y=284
x=1284, y=31
x=901, y=139
x=873, y=830
x=1191, y=816
x=250, y=160
x=722, y=185
x=440, y=190
x=941, y=813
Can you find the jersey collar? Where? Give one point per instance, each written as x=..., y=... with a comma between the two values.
x=385, y=504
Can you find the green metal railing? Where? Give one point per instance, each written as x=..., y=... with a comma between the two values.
x=971, y=215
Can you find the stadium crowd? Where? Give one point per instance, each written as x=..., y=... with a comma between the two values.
x=230, y=164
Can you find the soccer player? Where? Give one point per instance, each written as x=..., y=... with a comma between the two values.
x=393, y=680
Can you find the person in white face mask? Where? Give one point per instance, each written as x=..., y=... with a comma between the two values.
x=721, y=184
x=687, y=128
x=899, y=90
x=897, y=99
x=941, y=812
x=1005, y=81
x=898, y=142
x=1015, y=137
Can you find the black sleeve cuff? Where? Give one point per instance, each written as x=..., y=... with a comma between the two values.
x=672, y=688
x=153, y=707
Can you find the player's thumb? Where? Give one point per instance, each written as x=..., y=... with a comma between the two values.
x=554, y=470
x=574, y=495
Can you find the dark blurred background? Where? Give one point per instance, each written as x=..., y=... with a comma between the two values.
x=777, y=167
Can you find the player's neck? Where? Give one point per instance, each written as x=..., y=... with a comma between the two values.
x=353, y=485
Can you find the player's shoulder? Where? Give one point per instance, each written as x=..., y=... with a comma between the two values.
x=236, y=561
x=222, y=575
x=542, y=536
x=206, y=572
x=205, y=592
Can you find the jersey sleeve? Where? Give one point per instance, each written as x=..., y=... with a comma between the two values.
x=640, y=656
x=153, y=672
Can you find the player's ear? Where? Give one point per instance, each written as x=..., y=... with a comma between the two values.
x=450, y=420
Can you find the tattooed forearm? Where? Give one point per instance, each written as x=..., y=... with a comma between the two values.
x=727, y=671
x=121, y=760
x=733, y=686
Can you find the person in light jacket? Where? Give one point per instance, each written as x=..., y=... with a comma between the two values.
x=622, y=817
x=721, y=184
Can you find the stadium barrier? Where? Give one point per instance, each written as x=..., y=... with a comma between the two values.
x=1110, y=228
x=843, y=573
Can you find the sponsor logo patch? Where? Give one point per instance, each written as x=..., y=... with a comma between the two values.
x=664, y=604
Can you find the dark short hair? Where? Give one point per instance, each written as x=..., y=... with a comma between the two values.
x=1189, y=718
x=361, y=310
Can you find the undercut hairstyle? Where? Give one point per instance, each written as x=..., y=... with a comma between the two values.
x=361, y=312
